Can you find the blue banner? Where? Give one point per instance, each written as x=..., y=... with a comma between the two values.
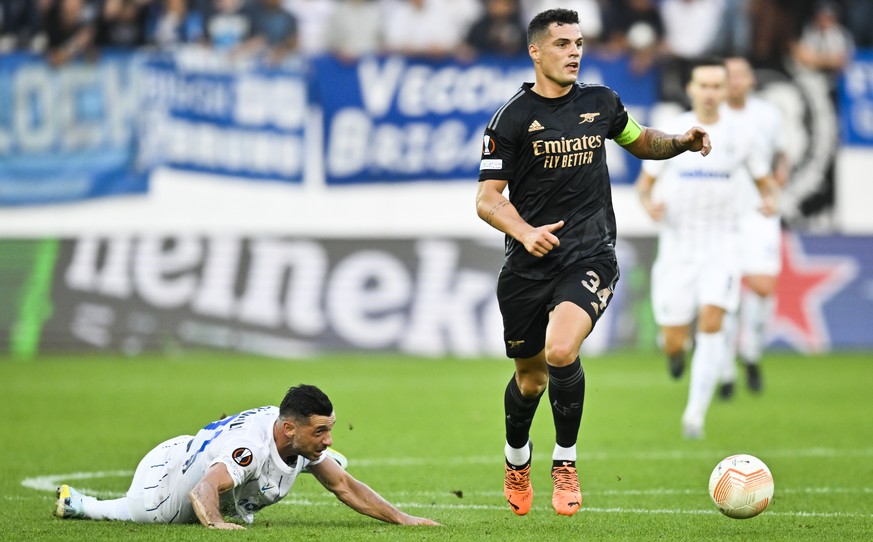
x=67, y=133
x=97, y=128
x=395, y=119
x=856, y=100
x=200, y=113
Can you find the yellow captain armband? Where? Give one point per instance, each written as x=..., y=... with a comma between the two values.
x=631, y=132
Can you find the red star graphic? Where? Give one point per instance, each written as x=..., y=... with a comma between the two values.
x=805, y=284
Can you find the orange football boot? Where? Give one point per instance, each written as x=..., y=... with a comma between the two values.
x=517, y=488
x=567, y=497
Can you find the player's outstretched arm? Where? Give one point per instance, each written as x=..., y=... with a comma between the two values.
x=204, y=497
x=493, y=207
x=654, y=144
x=359, y=497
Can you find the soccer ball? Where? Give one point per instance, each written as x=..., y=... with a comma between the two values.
x=741, y=486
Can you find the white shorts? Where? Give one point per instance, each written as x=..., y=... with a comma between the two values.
x=760, y=245
x=679, y=289
x=159, y=492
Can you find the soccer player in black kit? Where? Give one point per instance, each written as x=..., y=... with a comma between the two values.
x=547, y=145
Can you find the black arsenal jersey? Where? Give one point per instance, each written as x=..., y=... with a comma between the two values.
x=552, y=152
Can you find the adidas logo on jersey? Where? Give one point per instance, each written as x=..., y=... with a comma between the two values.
x=535, y=126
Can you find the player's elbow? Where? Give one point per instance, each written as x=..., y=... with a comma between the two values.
x=200, y=490
x=482, y=214
x=482, y=206
x=489, y=196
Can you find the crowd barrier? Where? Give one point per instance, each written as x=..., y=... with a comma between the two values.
x=289, y=297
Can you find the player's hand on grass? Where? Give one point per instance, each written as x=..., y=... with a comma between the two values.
x=225, y=526
x=696, y=140
x=413, y=520
x=540, y=241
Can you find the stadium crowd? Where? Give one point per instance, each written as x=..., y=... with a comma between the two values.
x=671, y=33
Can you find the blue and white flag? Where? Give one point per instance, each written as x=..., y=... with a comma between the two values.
x=396, y=119
x=67, y=133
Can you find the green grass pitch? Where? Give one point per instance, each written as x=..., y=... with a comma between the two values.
x=428, y=435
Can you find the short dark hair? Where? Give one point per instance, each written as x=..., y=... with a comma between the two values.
x=708, y=61
x=304, y=401
x=541, y=22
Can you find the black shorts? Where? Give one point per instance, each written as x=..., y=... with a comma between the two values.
x=526, y=303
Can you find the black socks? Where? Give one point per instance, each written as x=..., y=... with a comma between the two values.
x=519, y=414
x=566, y=395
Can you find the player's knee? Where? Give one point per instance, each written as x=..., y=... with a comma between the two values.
x=710, y=323
x=560, y=355
x=674, y=344
x=710, y=319
x=532, y=386
x=764, y=289
x=709, y=326
x=762, y=285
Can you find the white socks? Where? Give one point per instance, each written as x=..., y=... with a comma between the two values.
x=564, y=454
x=114, y=509
x=730, y=327
x=746, y=332
x=706, y=364
x=517, y=456
x=755, y=312
x=520, y=456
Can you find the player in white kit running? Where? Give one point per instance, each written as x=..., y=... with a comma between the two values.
x=236, y=466
x=760, y=236
x=695, y=202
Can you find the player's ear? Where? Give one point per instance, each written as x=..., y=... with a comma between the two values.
x=288, y=426
x=534, y=52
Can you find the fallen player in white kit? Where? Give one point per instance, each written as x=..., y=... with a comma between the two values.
x=236, y=466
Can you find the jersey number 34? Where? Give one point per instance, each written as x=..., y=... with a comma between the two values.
x=603, y=294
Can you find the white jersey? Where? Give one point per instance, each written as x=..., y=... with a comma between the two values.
x=243, y=443
x=765, y=121
x=701, y=193
x=760, y=236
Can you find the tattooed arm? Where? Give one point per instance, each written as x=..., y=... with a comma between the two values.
x=493, y=207
x=656, y=145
